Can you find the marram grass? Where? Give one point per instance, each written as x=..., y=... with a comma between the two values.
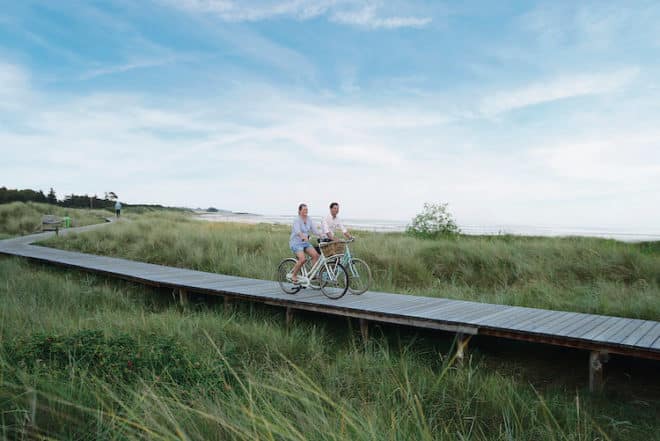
x=19, y=218
x=573, y=274
x=83, y=357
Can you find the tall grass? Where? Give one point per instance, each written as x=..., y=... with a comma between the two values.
x=82, y=357
x=576, y=274
x=18, y=218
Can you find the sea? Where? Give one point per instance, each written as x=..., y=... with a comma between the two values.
x=382, y=225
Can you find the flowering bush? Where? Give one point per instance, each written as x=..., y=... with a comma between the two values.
x=435, y=220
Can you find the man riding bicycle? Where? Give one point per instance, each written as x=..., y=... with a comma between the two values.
x=331, y=223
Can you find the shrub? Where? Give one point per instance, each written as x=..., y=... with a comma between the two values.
x=434, y=221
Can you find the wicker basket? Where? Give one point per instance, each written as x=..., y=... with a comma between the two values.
x=331, y=248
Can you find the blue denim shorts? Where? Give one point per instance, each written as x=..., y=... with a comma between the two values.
x=300, y=247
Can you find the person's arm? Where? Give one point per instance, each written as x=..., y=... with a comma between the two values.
x=344, y=230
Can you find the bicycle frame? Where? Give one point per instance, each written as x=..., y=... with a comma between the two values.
x=314, y=270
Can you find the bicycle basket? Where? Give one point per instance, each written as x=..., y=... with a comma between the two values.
x=331, y=248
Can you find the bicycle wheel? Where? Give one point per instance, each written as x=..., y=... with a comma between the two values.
x=315, y=282
x=283, y=270
x=334, y=281
x=360, y=276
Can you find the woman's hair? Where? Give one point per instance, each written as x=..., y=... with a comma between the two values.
x=333, y=204
x=300, y=207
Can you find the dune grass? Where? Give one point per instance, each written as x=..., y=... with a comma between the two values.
x=19, y=218
x=574, y=274
x=83, y=357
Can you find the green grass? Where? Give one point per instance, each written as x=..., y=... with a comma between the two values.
x=19, y=218
x=575, y=274
x=83, y=357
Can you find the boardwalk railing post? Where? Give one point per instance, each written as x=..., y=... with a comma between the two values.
x=364, y=329
x=289, y=316
x=596, y=361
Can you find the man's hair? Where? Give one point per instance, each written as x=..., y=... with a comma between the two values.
x=300, y=207
x=334, y=204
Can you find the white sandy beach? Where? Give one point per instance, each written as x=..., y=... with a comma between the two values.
x=399, y=226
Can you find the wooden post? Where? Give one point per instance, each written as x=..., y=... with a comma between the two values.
x=461, y=347
x=183, y=297
x=289, y=316
x=596, y=361
x=364, y=329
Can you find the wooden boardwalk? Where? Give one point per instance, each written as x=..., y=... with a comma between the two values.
x=596, y=333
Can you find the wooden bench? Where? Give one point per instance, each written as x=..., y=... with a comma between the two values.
x=50, y=222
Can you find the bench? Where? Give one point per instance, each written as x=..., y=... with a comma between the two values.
x=51, y=223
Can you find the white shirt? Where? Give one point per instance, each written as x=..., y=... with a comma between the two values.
x=330, y=224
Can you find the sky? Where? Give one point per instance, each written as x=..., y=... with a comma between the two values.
x=512, y=112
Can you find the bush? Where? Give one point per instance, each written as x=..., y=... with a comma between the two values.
x=434, y=221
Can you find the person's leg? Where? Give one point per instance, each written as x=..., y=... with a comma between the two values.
x=313, y=254
x=300, y=255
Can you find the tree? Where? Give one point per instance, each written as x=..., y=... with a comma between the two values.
x=434, y=221
x=51, y=198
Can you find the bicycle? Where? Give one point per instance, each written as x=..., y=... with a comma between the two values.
x=331, y=275
x=359, y=273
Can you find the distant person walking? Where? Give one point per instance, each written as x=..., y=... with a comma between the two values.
x=117, y=208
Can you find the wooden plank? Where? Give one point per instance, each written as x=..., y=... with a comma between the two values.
x=638, y=333
x=378, y=305
x=656, y=344
x=627, y=328
x=647, y=340
x=577, y=323
x=625, y=332
x=437, y=307
x=586, y=327
x=547, y=325
x=504, y=318
x=532, y=318
x=607, y=324
x=465, y=314
x=220, y=285
x=492, y=318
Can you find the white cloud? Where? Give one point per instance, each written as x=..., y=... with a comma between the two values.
x=367, y=17
x=126, y=67
x=623, y=160
x=358, y=13
x=557, y=89
x=14, y=86
x=261, y=148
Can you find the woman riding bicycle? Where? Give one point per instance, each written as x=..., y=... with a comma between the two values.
x=299, y=240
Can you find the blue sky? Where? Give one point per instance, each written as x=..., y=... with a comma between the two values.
x=533, y=113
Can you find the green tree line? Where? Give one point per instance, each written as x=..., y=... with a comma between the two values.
x=72, y=200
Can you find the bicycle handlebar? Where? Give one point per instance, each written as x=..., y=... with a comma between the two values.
x=337, y=241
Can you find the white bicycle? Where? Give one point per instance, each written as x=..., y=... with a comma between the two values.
x=328, y=274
